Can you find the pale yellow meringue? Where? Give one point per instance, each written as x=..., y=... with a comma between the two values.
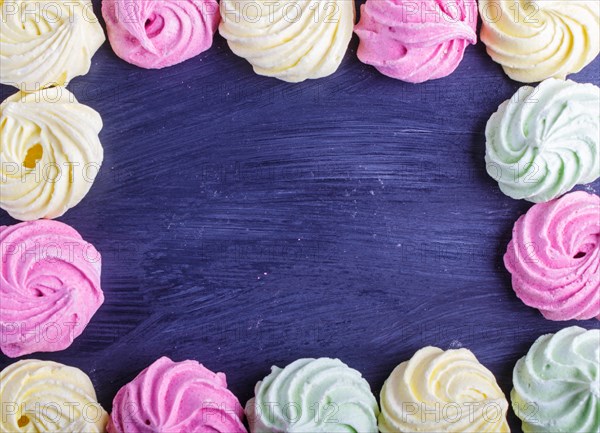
x=44, y=396
x=291, y=40
x=442, y=391
x=538, y=39
x=50, y=153
x=46, y=42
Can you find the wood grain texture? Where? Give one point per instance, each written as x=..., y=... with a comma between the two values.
x=246, y=222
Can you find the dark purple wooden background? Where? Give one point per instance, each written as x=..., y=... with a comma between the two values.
x=246, y=222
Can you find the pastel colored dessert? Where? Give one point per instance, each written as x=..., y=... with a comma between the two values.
x=313, y=395
x=554, y=257
x=290, y=40
x=557, y=385
x=47, y=42
x=544, y=140
x=176, y=397
x=536, y=40
x=44, y=397
x=416, y=41
x=154, y=34
x=49, y=285
x=50, y=153
x=442, y=391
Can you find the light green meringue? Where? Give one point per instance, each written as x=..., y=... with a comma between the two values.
x=545, y=140
x=557, y=385
x=313, y=395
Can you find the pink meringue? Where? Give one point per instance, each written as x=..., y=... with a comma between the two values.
x=416, y=41
x=554, y=257
x=49, y=286
x=176, y=397
x=154, y=34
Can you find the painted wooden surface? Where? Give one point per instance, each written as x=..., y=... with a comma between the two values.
x=246, y=222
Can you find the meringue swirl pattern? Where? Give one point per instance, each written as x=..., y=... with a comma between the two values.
x=442, y=391
x=176, y=397
x=545, y=140
x=291, y=40
x=46, y=43
x=416, y=41
x=49, y=285
x=538, y=39
x=50, y=153
x=557, y=385
x=554, y=257
x=46, y=397
x=154, y=34
x=313, y=395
